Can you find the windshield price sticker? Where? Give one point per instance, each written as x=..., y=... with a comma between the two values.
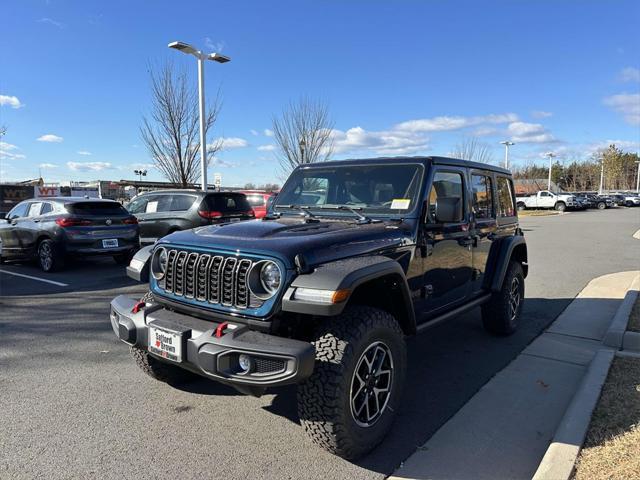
x=400, y=203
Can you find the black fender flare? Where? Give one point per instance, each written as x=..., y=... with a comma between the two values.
x=504, y=252
x=349, y=274
x=138, y=268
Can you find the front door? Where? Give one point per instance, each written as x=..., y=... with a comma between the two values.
x=448, y=263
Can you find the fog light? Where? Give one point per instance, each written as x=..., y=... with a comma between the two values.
x=245, y=363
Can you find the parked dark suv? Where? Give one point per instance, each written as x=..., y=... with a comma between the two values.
x=352, y=257
x=50, y=229
x=166, y=211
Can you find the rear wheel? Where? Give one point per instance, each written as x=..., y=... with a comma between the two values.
x=501, y=313
x=348, y=404
x=49, y=258
x=521, y=206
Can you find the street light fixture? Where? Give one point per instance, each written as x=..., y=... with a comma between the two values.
x=506, y=144
x=140, y=173
x=551, y=156
x=216, y=57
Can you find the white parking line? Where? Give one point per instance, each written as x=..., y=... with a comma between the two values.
x=60, y=284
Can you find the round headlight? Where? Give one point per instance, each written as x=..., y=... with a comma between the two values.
x=270, y=277
x=159, y=263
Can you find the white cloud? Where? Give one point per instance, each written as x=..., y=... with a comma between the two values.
x=626, y=104
x=541, y=114
x=268, y=133
x=632, y=145
x=449, y=123
x=484, y=131
x=89, y=166
x=523, y=132
x=83, y=152
x=254, y=132
x=51, y=21
x=48, y=165
x=51, y=138
x=266, y=148
x=214, y=46
x=6, y=152
x=629, y=74
x=10, y=101
x=230, y=143
x=392, y=142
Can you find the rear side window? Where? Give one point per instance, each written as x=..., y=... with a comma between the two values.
x=228, y=203
x=46, y=208
x=180, y=203
x=96, y=208
x=482, y=196
x=505, y=198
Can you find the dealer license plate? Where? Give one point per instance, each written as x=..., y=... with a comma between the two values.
x=110, y=243
x=165, y=343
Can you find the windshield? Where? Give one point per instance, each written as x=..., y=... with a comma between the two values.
x=374, y=189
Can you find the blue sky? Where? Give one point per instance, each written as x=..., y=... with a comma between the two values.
x=401, y=77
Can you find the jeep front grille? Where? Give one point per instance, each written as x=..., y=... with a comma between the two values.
x=211, y=279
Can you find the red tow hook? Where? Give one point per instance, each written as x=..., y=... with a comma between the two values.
x=138, y=306
x=221, y=328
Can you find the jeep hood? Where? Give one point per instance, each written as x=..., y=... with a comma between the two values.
x=318, y=242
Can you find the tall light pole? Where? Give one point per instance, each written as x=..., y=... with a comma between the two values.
x=551, y=156
x=216, y=57
x=506, y=144
x=303, y=145
x=638, y=177
x=140, y=173
x=601, y=176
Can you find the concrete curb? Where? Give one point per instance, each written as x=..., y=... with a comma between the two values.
x=616, y=334
x=559, y=460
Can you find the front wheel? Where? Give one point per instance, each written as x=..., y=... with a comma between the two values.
x=501, y=313
x=602, y=205
x=561, y=206
x=348, y=404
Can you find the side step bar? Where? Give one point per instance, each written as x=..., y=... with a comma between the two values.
x=453, y=313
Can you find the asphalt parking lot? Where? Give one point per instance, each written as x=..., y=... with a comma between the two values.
x=74, y=405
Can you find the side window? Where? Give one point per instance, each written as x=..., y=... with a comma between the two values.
x=482, y=196
x=18, y=211
x=138, y=205
x=544, y=194
x=46, y=208
x=505, y=198
x=446, y=198
x=34, y=209
x=181, y=203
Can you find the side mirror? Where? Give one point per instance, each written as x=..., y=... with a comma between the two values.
x=448, y=209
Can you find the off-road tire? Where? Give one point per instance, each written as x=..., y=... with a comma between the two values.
x=324, y=399
x=49, y=257
x=155, y=368
x=498, y=316
x=560, y=206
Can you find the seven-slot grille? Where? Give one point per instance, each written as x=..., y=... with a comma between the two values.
x=209, y=278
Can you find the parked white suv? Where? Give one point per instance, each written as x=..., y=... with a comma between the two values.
x=546, y=199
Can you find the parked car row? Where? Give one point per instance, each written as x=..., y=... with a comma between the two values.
x=53, y=229
x=546, y=199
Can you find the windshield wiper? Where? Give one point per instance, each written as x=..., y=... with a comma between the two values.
x=304, y=210
x=361, y=218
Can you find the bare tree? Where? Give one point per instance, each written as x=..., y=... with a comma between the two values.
x=172, y=134
x=303, y=134
x=472, y=149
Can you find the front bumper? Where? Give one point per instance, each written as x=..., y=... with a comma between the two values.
x=276, y=360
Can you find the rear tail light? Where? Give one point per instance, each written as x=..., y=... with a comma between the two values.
x=72, y=222
x=130, y=221
x=209, y=214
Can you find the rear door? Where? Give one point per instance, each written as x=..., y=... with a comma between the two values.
x=448, y=262
x=483, y=224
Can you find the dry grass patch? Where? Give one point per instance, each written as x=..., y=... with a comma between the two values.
x=634, y=319
x=612, y=446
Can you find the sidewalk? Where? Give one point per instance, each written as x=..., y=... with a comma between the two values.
x=505, y=429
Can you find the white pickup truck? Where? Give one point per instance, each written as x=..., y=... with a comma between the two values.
x=546, y=199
